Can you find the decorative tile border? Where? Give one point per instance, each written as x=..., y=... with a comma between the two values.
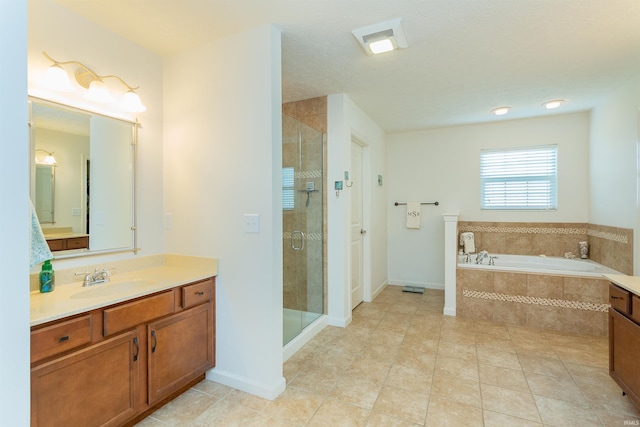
x=550, y=302
x=620, y=238
x=308, y=174
x=308, y=236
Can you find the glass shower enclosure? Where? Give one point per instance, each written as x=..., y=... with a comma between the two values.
x=302, y=213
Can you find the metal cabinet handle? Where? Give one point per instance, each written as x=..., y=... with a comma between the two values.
x=200, y=293
x=155, y=341
x=135, y=341
x=64, y=338
x=302, y=239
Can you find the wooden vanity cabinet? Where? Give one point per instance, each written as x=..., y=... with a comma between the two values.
x=114, y=365
x=624, y=341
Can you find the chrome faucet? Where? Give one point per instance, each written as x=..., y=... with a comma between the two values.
x=481, y=255
x=98, y=276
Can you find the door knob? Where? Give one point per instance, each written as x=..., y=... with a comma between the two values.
x=363, y=231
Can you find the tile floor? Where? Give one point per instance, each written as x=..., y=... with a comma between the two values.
x=402, y=363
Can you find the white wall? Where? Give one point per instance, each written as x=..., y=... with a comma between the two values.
x=67, y=37
x=613, y=161
x=223, y=159
x=346, y=121
x=14, y=235
x=444, y=165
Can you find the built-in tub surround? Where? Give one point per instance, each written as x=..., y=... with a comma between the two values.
x=563, y=300
x=563, y=295
x=142, y=276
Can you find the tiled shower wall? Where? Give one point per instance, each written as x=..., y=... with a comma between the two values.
x=609, y=246
x=300, y=293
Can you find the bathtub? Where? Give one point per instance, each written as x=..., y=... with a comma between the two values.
x=540, y=265
x=569, y=295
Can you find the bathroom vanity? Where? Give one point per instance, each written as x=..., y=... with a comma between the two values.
x=624, y=334
x=132, y=348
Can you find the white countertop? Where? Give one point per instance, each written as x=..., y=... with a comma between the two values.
x=630, y=283
x=72, y=298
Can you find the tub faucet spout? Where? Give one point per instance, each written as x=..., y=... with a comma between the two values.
x=481, y=255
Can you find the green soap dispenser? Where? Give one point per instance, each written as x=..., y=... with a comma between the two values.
x=47, y=277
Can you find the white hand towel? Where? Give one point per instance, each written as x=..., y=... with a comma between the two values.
x=39, y=250
x=413, y=215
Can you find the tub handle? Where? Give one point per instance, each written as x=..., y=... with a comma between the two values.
x=492, y=260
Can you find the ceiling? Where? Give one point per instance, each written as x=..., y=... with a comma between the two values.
x=465, y=57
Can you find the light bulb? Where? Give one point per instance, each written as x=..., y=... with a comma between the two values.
x=98, y=92
x=132, y=102
x=381, y=46
x=58, y=79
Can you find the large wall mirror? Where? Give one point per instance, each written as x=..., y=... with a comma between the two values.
x=83, y=179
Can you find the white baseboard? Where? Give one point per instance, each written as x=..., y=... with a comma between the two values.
x=342, y=323
x=449, y=311
x=248, y=385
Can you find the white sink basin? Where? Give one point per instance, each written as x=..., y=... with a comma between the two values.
x=109, y=288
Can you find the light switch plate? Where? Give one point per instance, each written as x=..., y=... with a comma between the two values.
x=251, y=223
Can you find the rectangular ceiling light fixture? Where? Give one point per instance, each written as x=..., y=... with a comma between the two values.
x=382, y=37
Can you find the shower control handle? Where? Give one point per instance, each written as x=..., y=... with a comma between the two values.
x=302, y=239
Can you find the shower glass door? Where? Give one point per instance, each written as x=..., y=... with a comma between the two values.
x=302, y=212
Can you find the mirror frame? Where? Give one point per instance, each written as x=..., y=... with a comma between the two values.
x=134, y=159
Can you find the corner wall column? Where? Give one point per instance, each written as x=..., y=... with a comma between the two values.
x=450, y=261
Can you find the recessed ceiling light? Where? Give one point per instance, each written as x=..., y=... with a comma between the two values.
x=550, y=105
x=501, y=111
x=382, y=37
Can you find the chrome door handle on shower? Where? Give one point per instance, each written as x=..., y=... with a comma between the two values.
x=302, y=239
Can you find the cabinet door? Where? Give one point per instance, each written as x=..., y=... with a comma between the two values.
x=96, y=386
x=624, y=348
x=180, y=347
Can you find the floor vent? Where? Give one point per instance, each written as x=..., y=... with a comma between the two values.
x=413, y=289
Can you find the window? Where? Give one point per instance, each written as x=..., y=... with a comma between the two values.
x=524, y=178
x=288, y=193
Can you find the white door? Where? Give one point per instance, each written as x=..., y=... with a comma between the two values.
x=357, y=230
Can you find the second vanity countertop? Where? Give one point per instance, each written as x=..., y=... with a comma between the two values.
x=630, y=283
x=156, y=274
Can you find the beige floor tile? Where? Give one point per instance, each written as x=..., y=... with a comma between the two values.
x=403, y=404
x=445, y=413
x=420, y=343
x=150, y=422
x=496, y=329
x=543, y=366
x=457, y=350
x=423, y=362
x=336, y=413
x=504, y=359
x=607, y=396
x=369, y=323
x=560, y=413
x=380, y=353
x=512, y=379
x=617, y=419
x=494, y=343
x=562, y=388
x=316, y=380
x=510, y=402
x=464, y=336
x=409, y=308
x=369, y=369
x=213, y=388
x=382, y=420
x=294, y=405
x=409, y=379
x=227, y=414
x=185, y=408
x=589, y=357
x=331, y=361
x=588, y=374
x=246, y=399
x=385, y=338
x=356, y=391
x=467, y=392
x=460, y=368
x=494, y=419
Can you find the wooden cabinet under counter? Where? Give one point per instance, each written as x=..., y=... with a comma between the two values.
x=624, y=341
x=114, y=365
x=67, y=243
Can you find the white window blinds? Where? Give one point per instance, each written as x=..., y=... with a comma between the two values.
x=524, y=178
x=288, y=193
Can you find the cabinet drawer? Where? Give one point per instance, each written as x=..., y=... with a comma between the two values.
x=78, y=243
x=60, y=337
x=619, y=299
x=56, y=245
x=127, y=316
x=197, y=293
